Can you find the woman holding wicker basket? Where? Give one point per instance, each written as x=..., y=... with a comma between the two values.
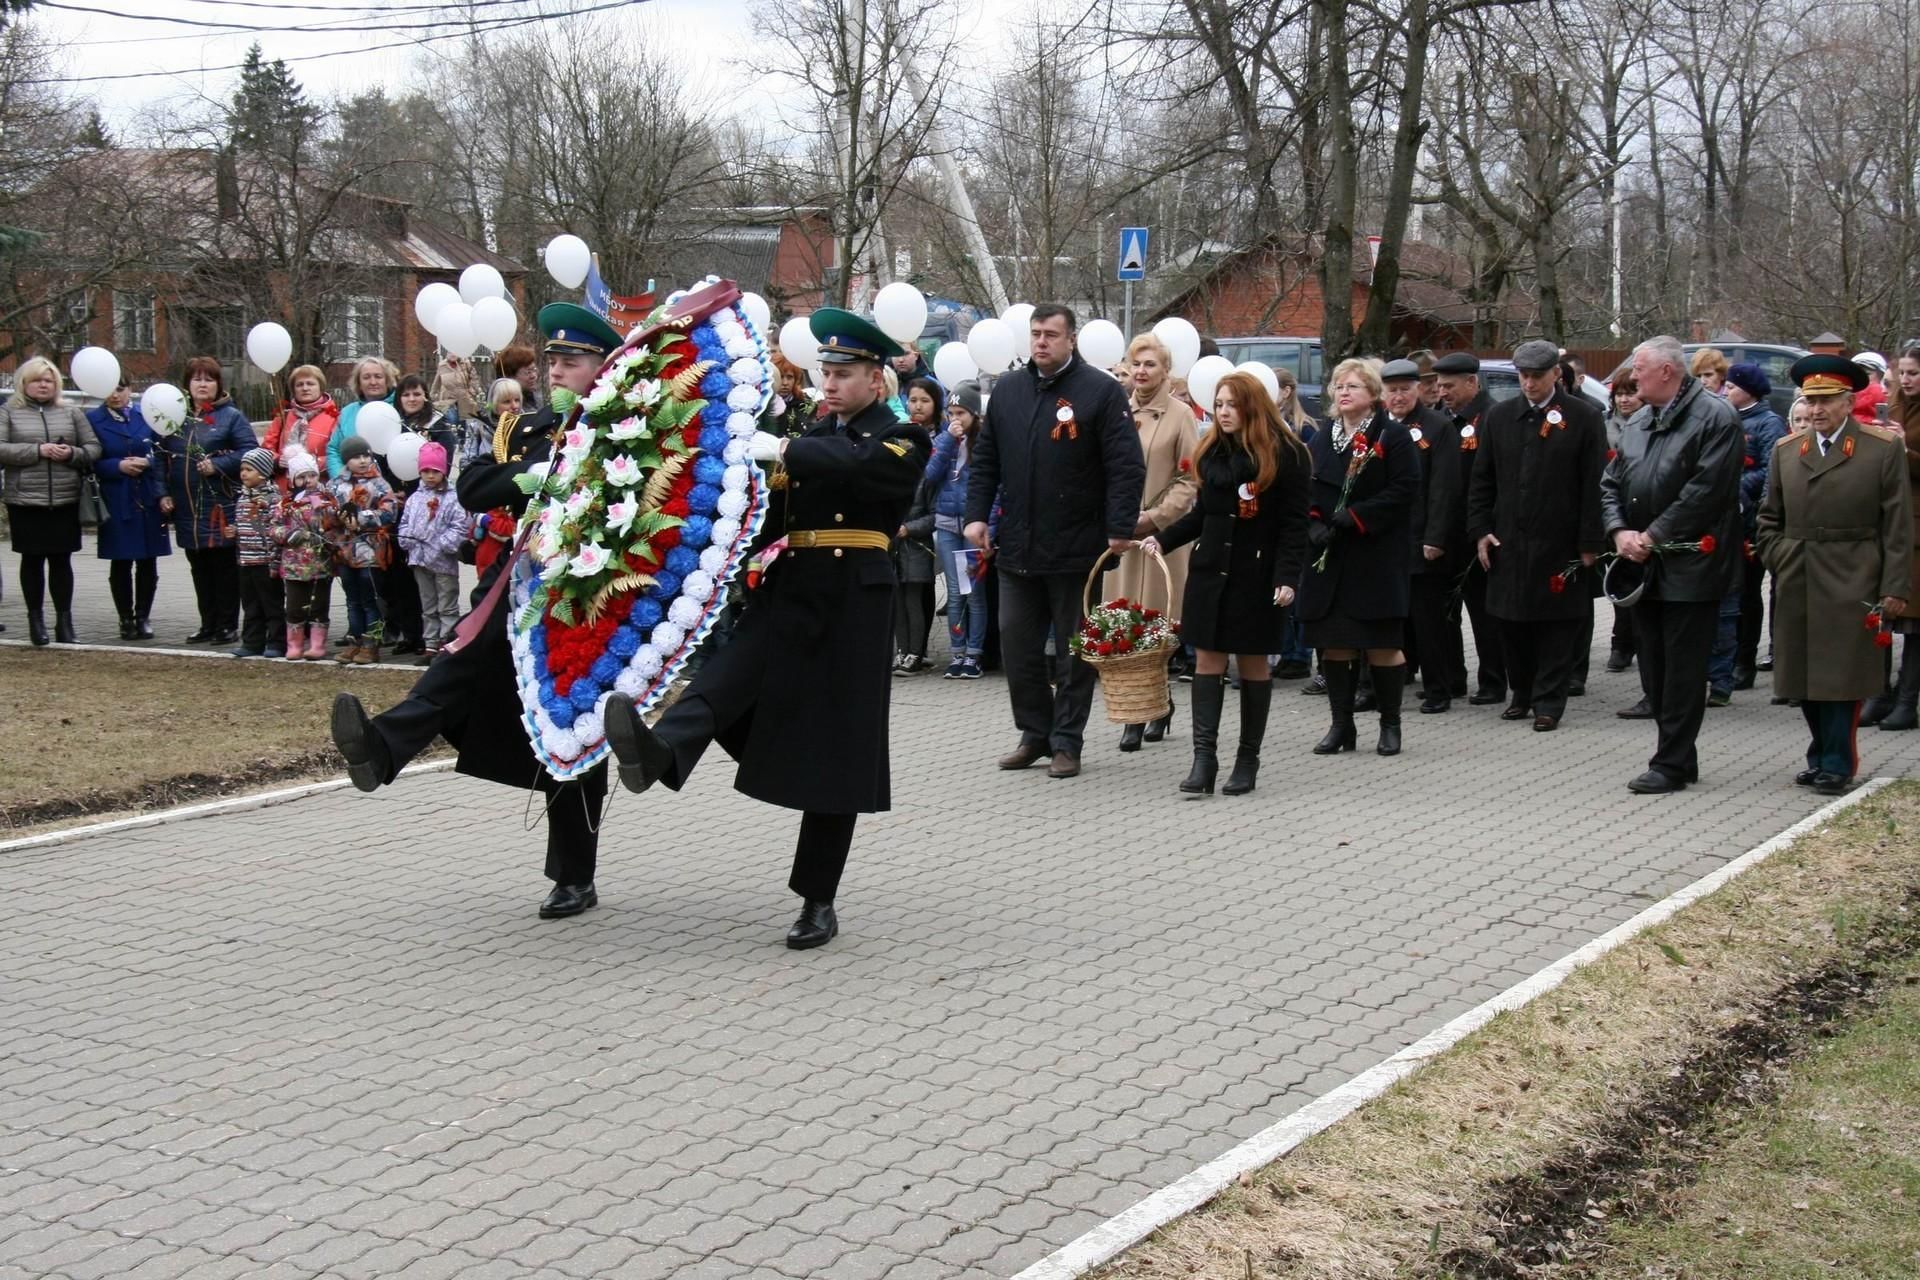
x=1249, y=536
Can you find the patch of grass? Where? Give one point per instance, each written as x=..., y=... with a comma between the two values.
x=1823, y=1182
x=1406, y=1181
x=87, y=733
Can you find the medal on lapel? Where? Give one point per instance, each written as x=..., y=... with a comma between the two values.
x=1249, y=501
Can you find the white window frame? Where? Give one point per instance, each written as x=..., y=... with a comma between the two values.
x=133, y=320
x=356, y=327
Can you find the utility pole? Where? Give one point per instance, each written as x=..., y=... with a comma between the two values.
x=956, y=187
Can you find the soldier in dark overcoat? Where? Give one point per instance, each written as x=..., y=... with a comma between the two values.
x=799, y=696
x=1532, y=515
x=1439, y=531
x=469, y=695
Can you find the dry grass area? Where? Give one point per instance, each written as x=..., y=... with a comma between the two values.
x=1408, y=1181
x=91, y=734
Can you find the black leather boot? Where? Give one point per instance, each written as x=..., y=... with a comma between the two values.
x=1209, y=693
x=1907, y=693
x=63, y=627
x=1880, y=705
x=643, y=759
x=142, y=627
x=1342, y=675
x=365, y=751
x=37, y=626
x=1389, y=686
x=1130, y=737
x=1256, y=698
x=1157, y=729
x=126, y=626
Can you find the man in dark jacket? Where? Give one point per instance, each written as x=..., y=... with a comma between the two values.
x=1457, y=375
x=1060, y=450
x=1675, y=478
x=1534, y=511
x=1442, y=497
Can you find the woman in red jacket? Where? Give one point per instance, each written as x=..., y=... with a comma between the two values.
x=306, y=422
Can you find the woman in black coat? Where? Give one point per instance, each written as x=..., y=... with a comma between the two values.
x=1357, y=588
x=1249, y=530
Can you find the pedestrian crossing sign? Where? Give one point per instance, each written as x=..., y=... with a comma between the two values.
x=1133, y=253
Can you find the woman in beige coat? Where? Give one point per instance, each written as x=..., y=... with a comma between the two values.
x=1168, y=437
x=47, y=448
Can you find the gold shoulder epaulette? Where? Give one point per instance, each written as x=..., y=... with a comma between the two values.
x=899, y=448
x=502, y=435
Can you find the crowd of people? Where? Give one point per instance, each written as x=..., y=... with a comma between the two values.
x=1348, y=553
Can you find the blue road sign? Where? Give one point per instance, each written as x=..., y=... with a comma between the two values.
x=1133, y=253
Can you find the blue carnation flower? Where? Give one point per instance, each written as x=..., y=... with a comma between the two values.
x=667, y=583
x=709, y=470
x=716, y=385
x=606, y=669
x=560, y=710
x=697, y=532
x=715, y=414
x=624, y=643
x=683, y=560
x=585, y=694
x=647, y=613
x=714, y=440
x=702, y=497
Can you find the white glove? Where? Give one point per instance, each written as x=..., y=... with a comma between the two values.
x=539, y=470
x=765, y=447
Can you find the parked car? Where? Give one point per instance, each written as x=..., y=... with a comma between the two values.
x=1300, y=357
x=1775, y=360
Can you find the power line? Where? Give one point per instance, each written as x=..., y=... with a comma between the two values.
x=246, y=27
x=486, y=26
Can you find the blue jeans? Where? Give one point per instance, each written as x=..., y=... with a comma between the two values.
x=1726, y=644
x=363, y=602
x=1293, y=640
x=966, y=613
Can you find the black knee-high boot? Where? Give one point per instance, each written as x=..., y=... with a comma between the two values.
x=1256, y=698
x=1342, y=675
x=1907, y=693
x=1209, y=695
x=1389, y=684
x=1880, y=705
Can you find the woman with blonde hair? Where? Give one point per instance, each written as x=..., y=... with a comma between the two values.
x=374, y=378
x=1168, y=438
x=47, y=447
x=1358, y=588
x=1248, y=530
x=305, y=423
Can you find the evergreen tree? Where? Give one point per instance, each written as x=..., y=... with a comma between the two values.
x=93, y=133
x=270, y=113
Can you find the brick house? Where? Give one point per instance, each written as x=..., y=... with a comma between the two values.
x=784, y=255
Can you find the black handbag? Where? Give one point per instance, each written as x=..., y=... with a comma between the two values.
x=93, y=504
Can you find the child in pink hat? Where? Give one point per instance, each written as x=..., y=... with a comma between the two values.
x=431, y=529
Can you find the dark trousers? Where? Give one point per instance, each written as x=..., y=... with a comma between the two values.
x=913, y=618
x=132, y=583
x=438, y=705
x=216, y=587
x=1051, y=697
x=1835, y=727
x=1676, y=641
x=1541, y=657
x=721, y=697
x=263, y=609
x=1623, y=641
x=399, y=599
x=1583, y=651
x=1434, y=638
x=309, y=602
x=1753, y=621
x=1492, y=676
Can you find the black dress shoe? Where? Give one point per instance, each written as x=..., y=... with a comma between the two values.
x=1764, y=665
x=1293, y=669
x=1638, y=711
x=815, y=927
x=1130, y=737
x=1516, y=712
x=1618, y=661
x=1315, y=687
x=201, y=636
x=1742, y=678
x=568, y=900
x=1438, y=704
x=354, y=735
x=642, y=758
x=225, y=637
x=1577, y=689
x=1545, y=724
x=1655, y=783
x=1485, y=698
x=1831, y=784
x=1806, y=777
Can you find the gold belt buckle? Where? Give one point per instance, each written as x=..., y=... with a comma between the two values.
x=803, y=538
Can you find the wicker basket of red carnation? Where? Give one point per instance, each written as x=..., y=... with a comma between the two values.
x=1127, y=645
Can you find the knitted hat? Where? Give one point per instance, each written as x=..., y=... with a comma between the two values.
x=301, y=463
x=261, y=460
x=433, y=457
x=967, y=396
x=1750, y=378
x=354, y=447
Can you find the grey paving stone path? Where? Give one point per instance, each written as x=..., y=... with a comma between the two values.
x=331, y=1039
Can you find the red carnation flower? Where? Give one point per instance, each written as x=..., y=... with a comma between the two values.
x=1707, y=544
x=1152, y=614
x=1186, y=464
x=1612, y=454
x=1136, y=631
x=1883, y=639
x=1379, y=448
x=1873, y=622
x=1747, y=549
x=1360, y=443
x=1557, y=583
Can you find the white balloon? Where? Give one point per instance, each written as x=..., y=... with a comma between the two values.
x=428, y=303
x=269, y=346
x=164, y=406
x=403, y=454
x=953, y=364
x=495, y=322
x=481, y=281
x=900, y=311
x=1019, y=318
x=456, y=329
x=757, y=311
x=1264, y=373
x=568, y=260
x=1204, y=379
x=96, y=371
x=378, y=423
x=1101, y=343
x=1183, y=342
x=798, y=344
x=991, y=346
